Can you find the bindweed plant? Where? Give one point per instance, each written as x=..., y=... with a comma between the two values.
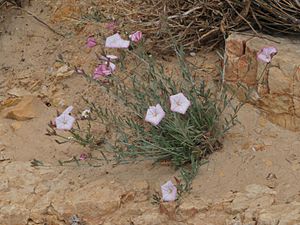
x=168, y=118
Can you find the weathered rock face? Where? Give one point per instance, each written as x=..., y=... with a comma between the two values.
x=52, y=195
x=276, y=85
x=24, y=110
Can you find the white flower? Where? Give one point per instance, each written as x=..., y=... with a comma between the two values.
x=85, y=113
x=116, y=41
x=65, y=121
x=169, y=192
x=155, y=114
x=179, y=103
x=108, y=57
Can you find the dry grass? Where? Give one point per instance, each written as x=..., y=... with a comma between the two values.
x=194, y=23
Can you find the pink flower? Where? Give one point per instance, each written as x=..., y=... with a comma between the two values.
x=83, y=156
x=155, y=114
x=91, y=42
x=136, y=37
x=179, y=103
x=169, y=192
x=116, y=41
x=111, y=26
x=65, y=121
x=104, y=70
x=266, y=54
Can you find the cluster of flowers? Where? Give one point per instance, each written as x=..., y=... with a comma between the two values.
x=179, y=104
x=155, y=114
x=65, y=120
x=114, y=41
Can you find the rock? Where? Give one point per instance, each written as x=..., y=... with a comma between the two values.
x=16, y=126
x=256, y=196
x=280, y=83
x=24, y=110
x=169, y=209
x=9, y=102
x=64, y=72
x=150, y=218
x=141, y=189
x=191, y=206
x=96, y=200
x=283, y=214
x=255, y=191
x=2, y=146
x=277, y=86
x=18, y=92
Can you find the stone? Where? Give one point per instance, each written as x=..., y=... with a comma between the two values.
x=150, y=218
x=235, y=44
x=24, y=110
x=283, y=214
x=277, y=84
x=64, y=72
x=108, y=200
x=16, y=125
x=279, y=104
x=256, y=196
x=141, y=189
x=189, y=207
x=296, y=101
x=255, y=190
x=169, y=209
x=18, y=92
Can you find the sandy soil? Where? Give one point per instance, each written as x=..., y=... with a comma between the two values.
x=254, y=152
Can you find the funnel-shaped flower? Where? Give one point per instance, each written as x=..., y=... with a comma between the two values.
x=91, y=42
x=179, y=103
x=266, y=54
x=155, y=114
x=169, y=192
x=104, y=70
x=116, y=41
x=65, y=121
x=136, y=37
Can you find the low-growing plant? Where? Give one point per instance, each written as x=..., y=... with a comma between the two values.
x=182, y=140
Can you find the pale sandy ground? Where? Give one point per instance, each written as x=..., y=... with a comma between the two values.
x=252, y=151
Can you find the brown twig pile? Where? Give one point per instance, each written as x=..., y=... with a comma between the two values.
x=194, y=23
x=16, y=2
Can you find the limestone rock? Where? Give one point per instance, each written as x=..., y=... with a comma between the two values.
x=189, y=207
x=256, y=197
x=24, y=110
x=169, y=209
x=277, y=85
x=283, y=214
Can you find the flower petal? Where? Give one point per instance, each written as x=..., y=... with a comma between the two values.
x=155, y=114
x=169, y=191
x=64, y=122
x=179, y=103
x=91, y=42
x=266, y=54
x=108, y=57
x=68, y=110
x=115, y=41
x=136, y=37
x=104, y=70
